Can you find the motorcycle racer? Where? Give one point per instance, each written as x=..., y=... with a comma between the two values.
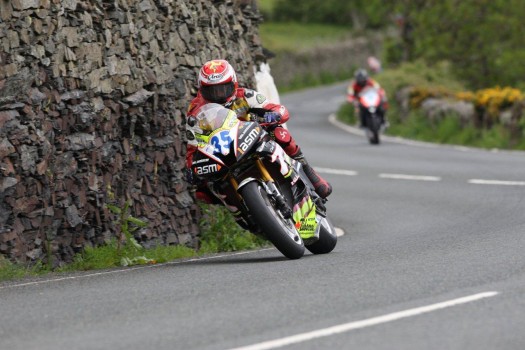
x=362, y=80
x=217, y=83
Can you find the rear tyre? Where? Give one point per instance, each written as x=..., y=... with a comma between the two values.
x=276, y=228
x=327, y=238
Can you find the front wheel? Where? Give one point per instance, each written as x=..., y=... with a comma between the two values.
x=277, y=229
x=374, y=127
x=327, y=238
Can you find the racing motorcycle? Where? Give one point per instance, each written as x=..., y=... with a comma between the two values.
x=369, y=100
x=253, y=177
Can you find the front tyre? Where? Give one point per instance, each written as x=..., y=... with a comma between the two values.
x=277, y=229
x=375, y=127
x=327, y=238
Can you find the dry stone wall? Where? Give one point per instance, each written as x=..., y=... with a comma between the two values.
x=334, y=59
x=92, y=101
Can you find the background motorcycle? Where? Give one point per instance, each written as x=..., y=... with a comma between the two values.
x=252, y=174
x=370, y=102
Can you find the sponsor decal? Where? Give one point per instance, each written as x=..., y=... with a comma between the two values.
x=204, y=160
x=215, y=76
x=260, y=98
x=244, y=129
x=307, y=227
x=207, y=169
x=249, y=140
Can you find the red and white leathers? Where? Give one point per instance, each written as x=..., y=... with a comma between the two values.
x=353, y=91
x=248, y=100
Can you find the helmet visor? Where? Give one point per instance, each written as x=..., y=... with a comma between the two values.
x=218, y=93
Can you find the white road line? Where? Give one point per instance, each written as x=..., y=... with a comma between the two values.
x=409, y=177
x=336, y=171
x=496, y=182
x=345, y=327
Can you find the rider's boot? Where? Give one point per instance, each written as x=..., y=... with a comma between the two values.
x=322, y=187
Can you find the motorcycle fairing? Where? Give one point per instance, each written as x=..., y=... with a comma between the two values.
x=370, y=97
x=248, y=135
x=205, y=164
x=277, y=155
x=304, y=216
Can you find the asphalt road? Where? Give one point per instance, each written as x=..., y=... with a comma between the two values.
x=433, y=257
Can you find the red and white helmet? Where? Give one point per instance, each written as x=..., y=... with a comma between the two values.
x=217, y=81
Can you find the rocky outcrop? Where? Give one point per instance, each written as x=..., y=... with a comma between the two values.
x=92, y=101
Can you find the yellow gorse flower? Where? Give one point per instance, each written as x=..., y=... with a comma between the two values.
x=491, y=100
x=419, y=94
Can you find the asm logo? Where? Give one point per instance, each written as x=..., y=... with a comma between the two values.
x=207, y=169
x=252, y=136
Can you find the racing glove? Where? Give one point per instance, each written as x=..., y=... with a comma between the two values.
x=271, y=117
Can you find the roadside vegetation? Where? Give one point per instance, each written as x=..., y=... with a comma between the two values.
x=292, y=36
x=474, y=56
x=219, y=233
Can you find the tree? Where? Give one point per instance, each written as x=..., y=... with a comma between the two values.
x=481, y=38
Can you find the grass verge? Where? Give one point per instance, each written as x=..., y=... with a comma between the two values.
x=219, y=233
x=295, y=36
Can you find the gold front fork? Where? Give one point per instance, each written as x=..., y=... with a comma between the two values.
x=235, y=185
x=265, y=174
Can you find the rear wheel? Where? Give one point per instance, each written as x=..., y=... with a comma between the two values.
x=277, y=229
x=327, y=238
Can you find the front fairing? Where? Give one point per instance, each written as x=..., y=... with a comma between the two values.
x=370, y=98
x=249, y=133
x=222, y=140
